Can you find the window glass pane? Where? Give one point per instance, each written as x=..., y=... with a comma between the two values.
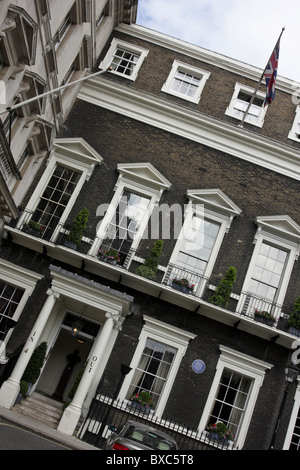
x=125, y=223
x=231, y=400
x=55, y=199
x=268, y=271
x=10, y=297
x=198, y=243
x=153, y=369
x=185, y=83
x=124, y=62
x=241, y=104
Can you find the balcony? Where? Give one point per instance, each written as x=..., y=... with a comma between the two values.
x=240, y=312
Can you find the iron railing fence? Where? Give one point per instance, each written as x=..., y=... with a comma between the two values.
x=105, y=412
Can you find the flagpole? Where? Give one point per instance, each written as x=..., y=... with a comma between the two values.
x=54, y=90
x=259, y=83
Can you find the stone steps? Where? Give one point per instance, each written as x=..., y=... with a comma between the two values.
x=40, y=408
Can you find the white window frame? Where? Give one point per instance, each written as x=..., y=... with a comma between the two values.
x=294, y=133
x=230, y=111
x=214, y=205
x=282, y=232
x=132, y=48
x=185, y=68
x=247, y=366
x=169, y=335
x=141, y=178
x=71, y=153
x=293, y=418
x=21, y=278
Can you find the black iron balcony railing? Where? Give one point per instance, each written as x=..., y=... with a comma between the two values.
x=185, y=281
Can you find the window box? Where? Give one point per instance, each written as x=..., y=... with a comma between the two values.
x=293, y=331
x=33, y=228
x=110, y=256
x=264, y=317
x=182, y=285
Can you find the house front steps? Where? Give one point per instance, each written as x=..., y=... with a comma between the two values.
x=40, y=408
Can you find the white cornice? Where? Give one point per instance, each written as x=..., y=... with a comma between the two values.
x=191, y=125
x=205, y=55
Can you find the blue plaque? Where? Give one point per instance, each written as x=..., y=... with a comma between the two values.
x=198, y=366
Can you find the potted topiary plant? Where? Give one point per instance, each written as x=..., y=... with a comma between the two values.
x=223, y=292
x=149, y=268
x=72, y=392
x=75, y=235
x=23, y=391
x=33, y=369
x=293, y=322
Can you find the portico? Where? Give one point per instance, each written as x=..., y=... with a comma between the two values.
x=70, y=292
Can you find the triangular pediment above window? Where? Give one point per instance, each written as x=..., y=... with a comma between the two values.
x=281, y=225
x=215, y=200
x=145, y=174
x=77, y=149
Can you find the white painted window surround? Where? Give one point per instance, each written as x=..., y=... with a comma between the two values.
x=124, y=58
x=247, y=366
x=21, y=278
x=75, y=154
x=239, y=104
x=283, y=233
x=185, y=81
x=168, y=335
x=215, y=208
x=292, y=439
x=138, y=178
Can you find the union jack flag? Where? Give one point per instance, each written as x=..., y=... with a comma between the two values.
x=270, y=74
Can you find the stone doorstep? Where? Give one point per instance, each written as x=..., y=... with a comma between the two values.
x=40, y=408
x=48, y=402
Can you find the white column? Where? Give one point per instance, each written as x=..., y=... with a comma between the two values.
x=72, y=413
x=10, y=388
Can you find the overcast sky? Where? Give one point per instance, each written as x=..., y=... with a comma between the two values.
x=245, y=30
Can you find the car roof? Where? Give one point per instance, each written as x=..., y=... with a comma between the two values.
x=149, y=428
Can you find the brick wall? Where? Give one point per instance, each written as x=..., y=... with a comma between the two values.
x=257, y=191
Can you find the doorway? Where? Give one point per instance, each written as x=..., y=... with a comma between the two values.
x=65, y=361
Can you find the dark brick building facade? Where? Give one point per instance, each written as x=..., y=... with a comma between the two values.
x=148, y=135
